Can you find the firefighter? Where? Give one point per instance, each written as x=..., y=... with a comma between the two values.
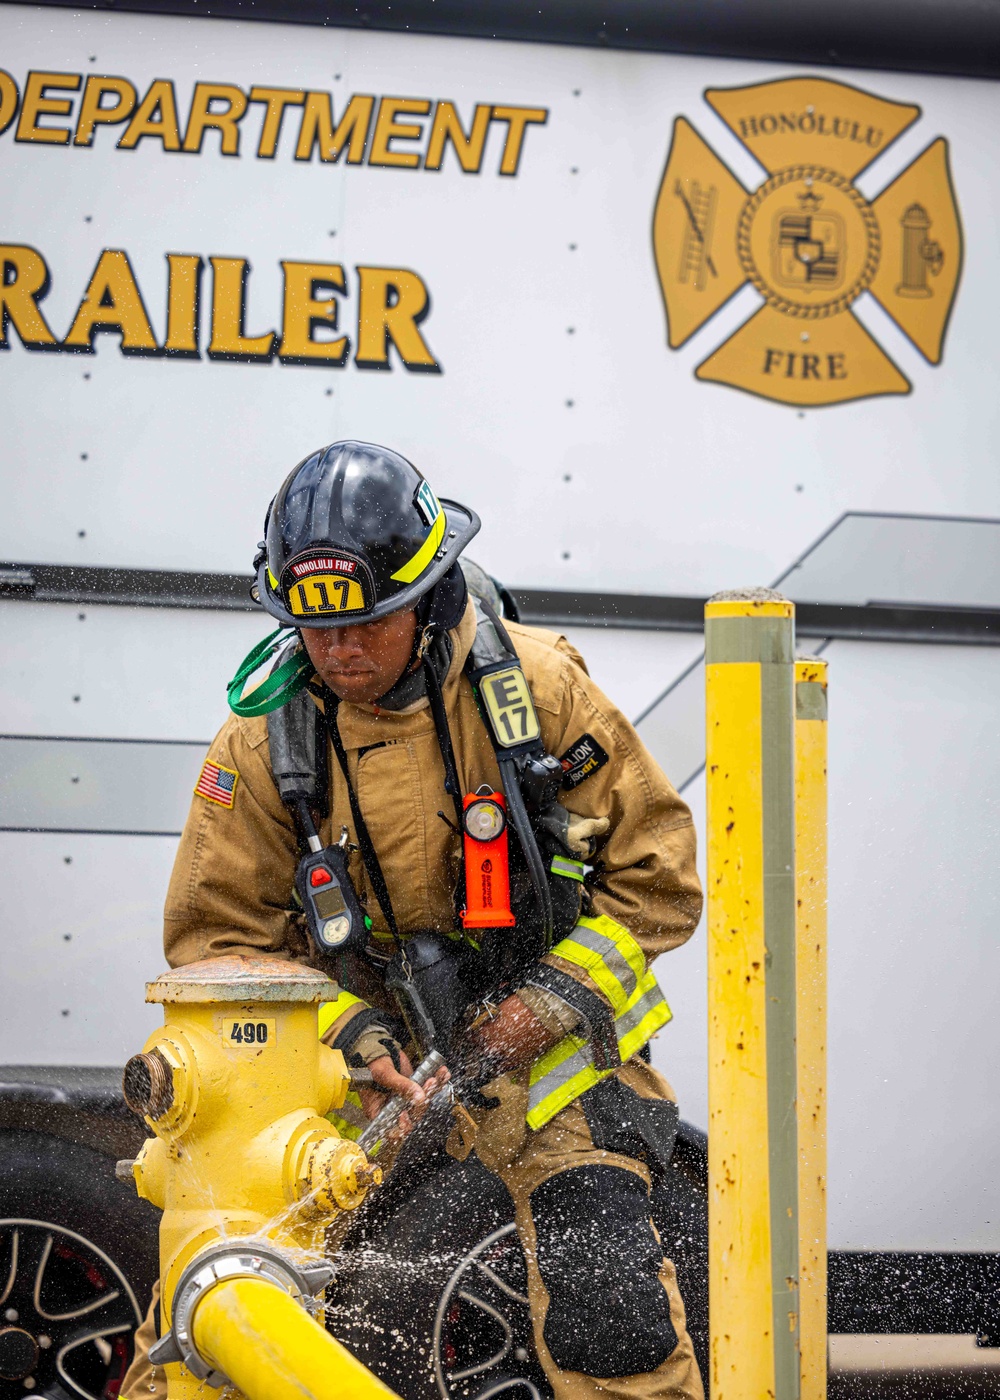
x=389, y=657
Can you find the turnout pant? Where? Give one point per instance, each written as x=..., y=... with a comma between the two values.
x=606, y=1310
x=607, y=1314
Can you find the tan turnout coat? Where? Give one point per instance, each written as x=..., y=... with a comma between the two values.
x=233, y=877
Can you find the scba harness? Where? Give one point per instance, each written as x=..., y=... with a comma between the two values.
x=547, y=890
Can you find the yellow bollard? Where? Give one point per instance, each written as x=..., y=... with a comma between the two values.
x=247, y=1172
x=752, y=1139
x=811, y=862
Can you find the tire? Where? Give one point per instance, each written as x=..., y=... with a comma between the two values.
x=430, y=1290
x=78, y=1257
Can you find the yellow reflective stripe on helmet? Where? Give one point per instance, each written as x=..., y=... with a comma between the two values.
x=331, y=1011
x=271, y=579
x=608, y=954
x=566, y=1071
x=414, y=567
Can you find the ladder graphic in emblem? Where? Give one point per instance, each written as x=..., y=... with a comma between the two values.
x=696, y=257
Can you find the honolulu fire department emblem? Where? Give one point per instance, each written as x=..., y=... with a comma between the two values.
x=808, y=240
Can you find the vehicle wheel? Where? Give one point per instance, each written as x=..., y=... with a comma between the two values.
x=78, y=1256
x=431, y=1288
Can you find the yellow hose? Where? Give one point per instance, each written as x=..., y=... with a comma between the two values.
x=271, y=1349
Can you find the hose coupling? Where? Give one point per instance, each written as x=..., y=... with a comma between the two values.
x=248, y=1257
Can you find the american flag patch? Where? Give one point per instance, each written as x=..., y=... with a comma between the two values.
x=217, y=784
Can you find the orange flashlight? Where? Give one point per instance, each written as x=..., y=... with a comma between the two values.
x=487, y=874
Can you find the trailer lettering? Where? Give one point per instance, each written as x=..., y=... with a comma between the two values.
x=8, y=100
x=388, y=129
x=392, y=303
x=229, y=304
x=204, y=117
x=37, y=103
x=317, y=129
x=183, y=304
x=93, y=112
x=447, y=127
x=277, y=99
x=156, y=118
x=112, y=302
x=24, y=281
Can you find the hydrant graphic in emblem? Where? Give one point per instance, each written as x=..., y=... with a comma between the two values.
x=920, y=254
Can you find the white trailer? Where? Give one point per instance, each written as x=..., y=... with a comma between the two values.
x=672, y=320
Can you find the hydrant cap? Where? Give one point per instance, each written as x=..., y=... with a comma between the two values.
x=240, y=979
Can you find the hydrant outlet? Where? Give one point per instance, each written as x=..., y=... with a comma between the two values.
x=148, y=1084
x=338, y=1175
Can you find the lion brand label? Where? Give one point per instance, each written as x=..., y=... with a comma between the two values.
x=582, y=760
x=327, y=565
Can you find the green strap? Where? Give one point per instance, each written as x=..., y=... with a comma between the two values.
x=277, y=688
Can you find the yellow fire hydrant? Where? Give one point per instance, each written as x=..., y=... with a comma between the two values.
x=247, y=1172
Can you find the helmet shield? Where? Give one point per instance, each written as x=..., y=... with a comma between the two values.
x=356, y=533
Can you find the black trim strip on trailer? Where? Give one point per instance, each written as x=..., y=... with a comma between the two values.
x=877, y=622
x=960, y=37
x=128, y=587
x=101, y=739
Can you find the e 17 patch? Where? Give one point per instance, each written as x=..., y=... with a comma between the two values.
x=582, y=760
x=217, y=784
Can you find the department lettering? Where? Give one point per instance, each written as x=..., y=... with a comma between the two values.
x=403, y=133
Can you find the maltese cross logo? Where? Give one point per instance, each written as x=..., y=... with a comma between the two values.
x=808, y=240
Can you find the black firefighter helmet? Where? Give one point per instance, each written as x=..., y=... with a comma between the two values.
x=356, y=533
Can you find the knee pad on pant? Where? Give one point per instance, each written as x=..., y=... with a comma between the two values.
x=609, y=1314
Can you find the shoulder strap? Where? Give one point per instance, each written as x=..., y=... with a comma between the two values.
x=504, y=698
x=297, y=741
x=369, y=855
